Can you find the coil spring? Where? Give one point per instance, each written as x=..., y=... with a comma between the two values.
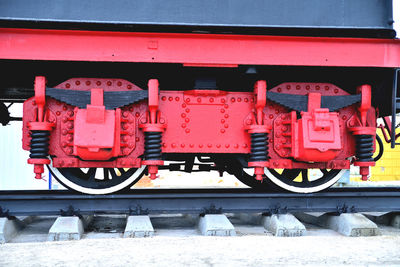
x=152, y=145
x=364, y=147
x=259, y=147
x=39, y=144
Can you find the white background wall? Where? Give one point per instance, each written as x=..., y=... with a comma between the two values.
x=15, y=173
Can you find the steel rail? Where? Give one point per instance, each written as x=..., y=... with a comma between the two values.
x=156, y=201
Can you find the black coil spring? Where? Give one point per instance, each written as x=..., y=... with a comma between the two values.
x=39, y=144
x=259, y=147
x=364, y=147
x=152, y=145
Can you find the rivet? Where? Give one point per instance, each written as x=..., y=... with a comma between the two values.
x=276, y=164
x=317, y=87
x=69, y=150
x=209, y=145
x=163, y=98
x=297, y=87
x=307, y=87
x=191, y=145
x=64, y=144
x=278, y=146
x=199, y=99
x=183, y=125
x=64, y=132
x=64, y=119
x=244, y=145
x=222, y=130
x=129, y=86
x=77, y=82
x=125, y=114
x=226, y=116
x=143, y=120
x=162, y=120
x=177, y=98
x=137, y=114
x=184, y=105
x=223, y=100
x=284, y=128
x=137, y=139
x=218, y=145
x=239, y=99
x=233, y=99
x=164, y=145
x=227, y=145
x=182, y=145
x=170, y=98
x=187, y=120
x=131, y=109
x=276, y=111
x=271, y=116
x=226, y=106
x=125, y=138
x=249, y=122
x=200, y=145
x=119, y=83
x=173, y=145
x=222, y=110
x=211, y=99
x=336, y=91
x=226, y=125
x=70, y=113
x=187, y=110
x=183, y=115
x=246, y=100
x=187, y=99
x=344, y=117
x=65, y=107
x=187, y=130
x=236, y=146
x=288, y=87
x=222, y=121
x=279, y=89
x=88, y=82
x=58, y=113
x=125, y=126
x=109, y=83
x=67, y=85
x=326, y=87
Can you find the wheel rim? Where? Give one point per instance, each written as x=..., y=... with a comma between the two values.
x=288, y=179
x=97, y=180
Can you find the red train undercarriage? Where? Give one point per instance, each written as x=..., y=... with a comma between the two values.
x=112, y=123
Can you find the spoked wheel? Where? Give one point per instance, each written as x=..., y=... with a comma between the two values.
x=97, y=180
x=304, y=180
x=293, y=180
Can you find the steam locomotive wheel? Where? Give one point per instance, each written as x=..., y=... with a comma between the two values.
x=312, y=180
x=97, y=181
x=293, y=180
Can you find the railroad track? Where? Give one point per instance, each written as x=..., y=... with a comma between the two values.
x=197, y=201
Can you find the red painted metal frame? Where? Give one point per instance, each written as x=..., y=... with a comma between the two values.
x=197, y=49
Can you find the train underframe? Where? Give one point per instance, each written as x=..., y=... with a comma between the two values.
x=100, y=135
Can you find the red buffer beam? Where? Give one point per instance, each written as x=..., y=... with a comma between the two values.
x=197, y=49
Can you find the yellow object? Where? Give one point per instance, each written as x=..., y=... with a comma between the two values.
x=388, y=167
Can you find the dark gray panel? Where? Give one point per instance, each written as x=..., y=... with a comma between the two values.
x=344, y=14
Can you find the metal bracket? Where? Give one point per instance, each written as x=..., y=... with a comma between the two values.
x=211, y=210
x=138, y=211
x=71, y=212
x=5, y=214
x=276, y=210
x=344, y=209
